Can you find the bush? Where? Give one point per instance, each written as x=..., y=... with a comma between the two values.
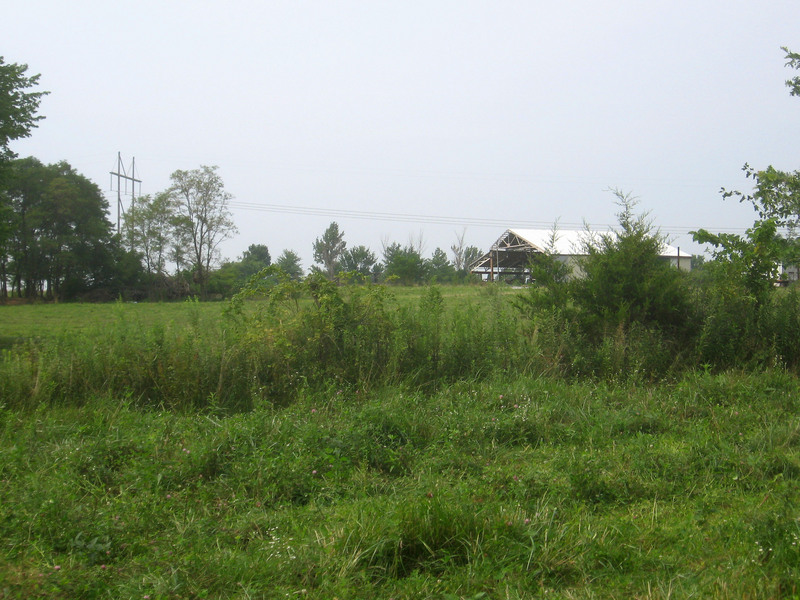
x=626, y=281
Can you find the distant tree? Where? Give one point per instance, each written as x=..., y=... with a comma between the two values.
x=63, y=243
x=226, y=280
x=149, y=230
x=471, y=254
x=289, y=262
x=404, y=263
x=204, y=220
x=377, y=272
x=255, y=258
x=329, y=249
x=439, y=267
x=458, y=249
x=358, y=259
x=7, y=219
x=180, y=248
x=231, y=276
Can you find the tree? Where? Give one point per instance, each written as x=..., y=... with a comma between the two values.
x=17, y=105
x=203, y=219
x=439, y=267
x=329, y=248
x=63, y=244
x=358, y=259
x=255, y=258
x=793, y=61
x=458, y=249
x=404, y=263
x=753, y=260
x=776, y=193
x=289, y=262
x=149, y=229
x=18, y=117
x=471, y=254
x=232, y=276
x=549, y=289
x=467, y=256
x=226, y=280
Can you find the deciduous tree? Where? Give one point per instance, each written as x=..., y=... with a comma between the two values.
x=776, y=193
x=149, y=230
x=358, y=259
x=255, y=258
x=329, y=248
x=63, y=244
x=204, y=219
x=753, y=260
x=404, y=263
x=18, y=105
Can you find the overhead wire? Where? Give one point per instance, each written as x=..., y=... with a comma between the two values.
x=428, y=219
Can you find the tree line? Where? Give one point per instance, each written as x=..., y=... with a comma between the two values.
x=336, y=261
x=59, y=243
x=56, y=240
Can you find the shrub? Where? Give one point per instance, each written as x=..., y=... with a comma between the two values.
x=626, y=281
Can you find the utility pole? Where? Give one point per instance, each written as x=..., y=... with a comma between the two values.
x=121, y=174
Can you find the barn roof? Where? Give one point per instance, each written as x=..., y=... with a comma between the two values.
x=511, y=252
x=569, y=242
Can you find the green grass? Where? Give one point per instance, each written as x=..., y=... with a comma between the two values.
x=24, y=321
x=374, y=445
x=515, y=488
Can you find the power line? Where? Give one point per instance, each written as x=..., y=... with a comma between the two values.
x=427, y=219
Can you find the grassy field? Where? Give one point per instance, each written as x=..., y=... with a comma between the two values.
x=500, y=486
x=23, y=321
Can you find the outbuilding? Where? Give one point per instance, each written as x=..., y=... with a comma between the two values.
x=510, y=256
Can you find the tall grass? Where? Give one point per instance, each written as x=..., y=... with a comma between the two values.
x=316, y=336
x=320, y=336
x=513, y=487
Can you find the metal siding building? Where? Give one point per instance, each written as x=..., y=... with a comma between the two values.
x=510, y=255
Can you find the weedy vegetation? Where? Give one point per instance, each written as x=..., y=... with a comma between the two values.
x=594, y=438
x=630, y=433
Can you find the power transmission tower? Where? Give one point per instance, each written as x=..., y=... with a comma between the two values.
x=121, y=174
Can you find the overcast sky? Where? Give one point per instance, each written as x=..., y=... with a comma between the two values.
x=408, y=119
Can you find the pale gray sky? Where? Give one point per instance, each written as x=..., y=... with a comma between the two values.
x=518, y=113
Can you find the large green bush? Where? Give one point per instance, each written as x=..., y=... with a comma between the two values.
x=625, y=280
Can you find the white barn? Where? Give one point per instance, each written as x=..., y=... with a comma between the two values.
x=509, y=256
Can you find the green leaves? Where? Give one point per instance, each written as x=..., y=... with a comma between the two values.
x=61, y=244
x=329, y=248
x=626, y=280
x=792, y=61
x=17, y=105
x=205, y=220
